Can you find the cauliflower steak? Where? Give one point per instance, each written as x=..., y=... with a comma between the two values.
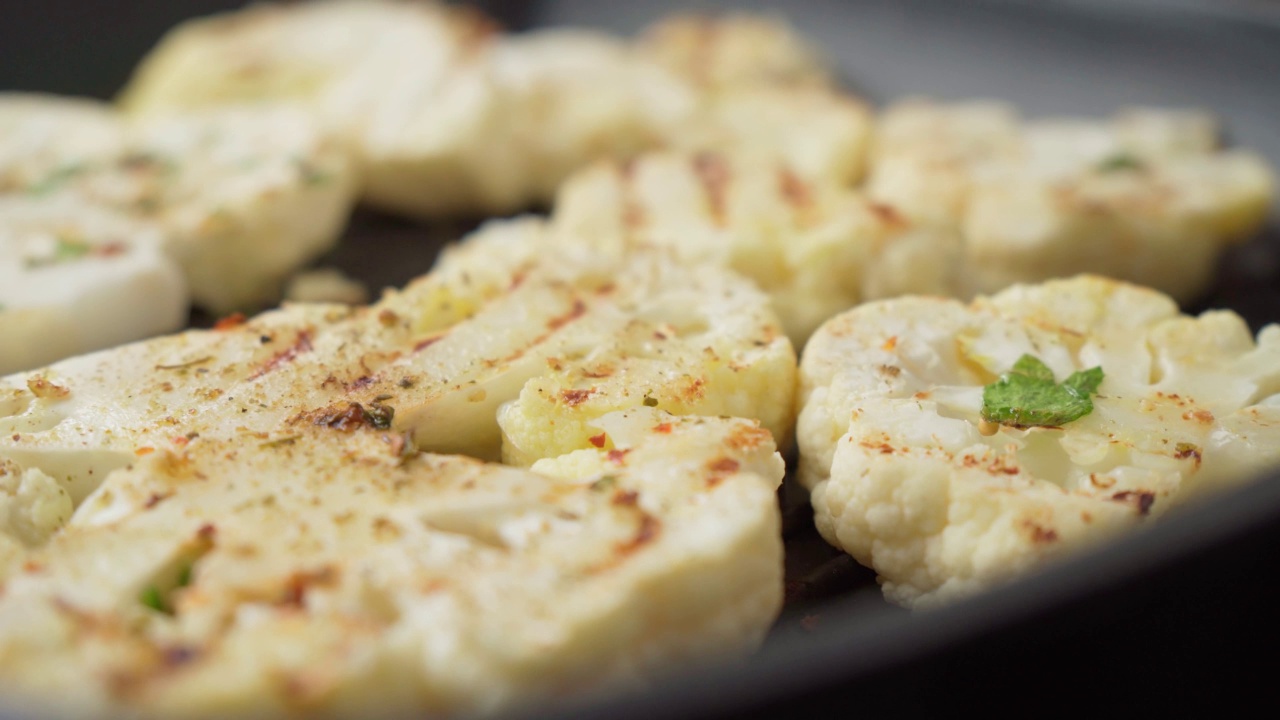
x=241, y=520
x=908, y=477
x=1147, y=196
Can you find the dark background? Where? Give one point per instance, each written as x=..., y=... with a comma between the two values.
x=1180, y=616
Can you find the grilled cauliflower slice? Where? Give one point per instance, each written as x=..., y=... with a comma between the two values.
x=326, y=572
x=904, y=478
x=241, y=196
x=1146, y=196
x=77, y=278
x=45, y=139
x=244, y=195
x=816, y=248
x=446, y=117
x=436, y=360
x=735, y=50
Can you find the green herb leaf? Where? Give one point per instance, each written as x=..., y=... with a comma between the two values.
x=184, y=575
x=53, y=180
x=650, y=401
x=1027, y=395
x=1121, y=161
x=151, y=598
x=66, y=250
x=310, y=174
x=606, y=482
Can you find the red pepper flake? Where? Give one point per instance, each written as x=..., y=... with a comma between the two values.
x=301, y=345
x=181, y=440
x=573, y=398
x=1141, y=499
x=618, y=457
x=664, y=428
x=1203, y=416
x=111, y=249
x=1039, y=533
x=144, y=451
x=355, y=416
x=890, y=344
x=234, y=320
x=155, y=499
x=598, y=440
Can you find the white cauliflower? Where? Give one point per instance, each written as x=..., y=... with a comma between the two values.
x=76, y=278
x=817, y=248
x=328, y=571
x=735, y=50
x=33, y=506
x=448, y=117
x=256, y=532
x=1146, y=196
x=239, y=197
x=908, y=478
x=501, y=318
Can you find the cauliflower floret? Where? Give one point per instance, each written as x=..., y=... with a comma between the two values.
x=1146, y=197
x=906, y=478
x=33, y=506
x=815, y=247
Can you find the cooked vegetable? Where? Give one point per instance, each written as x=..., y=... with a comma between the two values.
x=817, y=248
x=337, y=575
x=1147, y=196
x=96, y=217
x=75, y=278
x=906, y=478
x=447, y=116
x=278, y=457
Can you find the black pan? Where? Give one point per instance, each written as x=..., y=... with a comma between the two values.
x=1177, y=616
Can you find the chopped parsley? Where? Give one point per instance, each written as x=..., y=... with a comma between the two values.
x=1121, y=161
x=311, y=175
x=64, y=250
x=606, y=482
x=1028, y=396
x=650, y=401
x=151, y=598
x=55, y=179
